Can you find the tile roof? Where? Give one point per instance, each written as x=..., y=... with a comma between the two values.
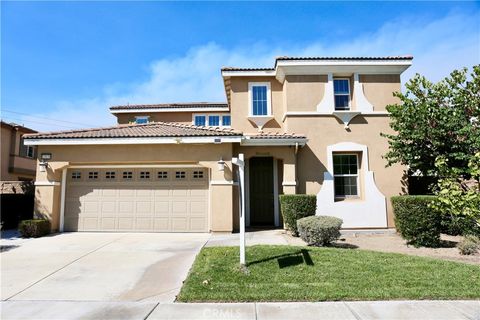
x=152, y=129
x=246, y=69
x=276, y=135
x=406, y=57
x=172, y=105
x=287, y=58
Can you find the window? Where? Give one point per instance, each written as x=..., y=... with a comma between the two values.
x=144, y=174
x=180, y=175
x=162, y=175
x=341, y=89
x=345, y=174
x=197, y=174
x=141, y=119
x=226, y=121
x=26, y=151
x=93, y=175
x=76, y=175
x=127, y=175
x=214, y=121
x=200, y=121
x=259, y=100
x=110, y=175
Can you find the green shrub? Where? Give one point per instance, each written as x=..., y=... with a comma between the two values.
x=319, y=230
x=469, y=245
x=297, y=206
x=34, y=228
x=416, y=222
x=458, y=225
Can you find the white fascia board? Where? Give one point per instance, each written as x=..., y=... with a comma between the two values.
x=273, y=142
x=126, y=141
x=342, y=62
x=160, y=110
x=342, y=67
x=263, y=73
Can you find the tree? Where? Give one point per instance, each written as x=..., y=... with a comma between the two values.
x=436, y=120
x=457, y=196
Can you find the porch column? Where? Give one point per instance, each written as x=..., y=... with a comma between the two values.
x=289, y=176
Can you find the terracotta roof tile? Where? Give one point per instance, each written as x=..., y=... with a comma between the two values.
x=285, y=58
x=276, y=135
x=172, y=105
x=152, y=129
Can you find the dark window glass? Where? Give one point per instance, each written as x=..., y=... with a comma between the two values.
x=200, y=121
x=259, y=100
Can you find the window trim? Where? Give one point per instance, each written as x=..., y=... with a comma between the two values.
x=250, y=98
x=207, y=115
x=358, y=195
x=147, y=118
x=343, y=94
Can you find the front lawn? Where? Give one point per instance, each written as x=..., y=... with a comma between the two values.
x=286, y=273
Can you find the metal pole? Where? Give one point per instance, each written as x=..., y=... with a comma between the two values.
x=241, y=169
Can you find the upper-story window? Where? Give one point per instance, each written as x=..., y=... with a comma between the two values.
x=259, y=93
x=226, y=121
x=141, y=119
x=200, y=121
x=26, y=151
x=341, y=90
x=212, y=120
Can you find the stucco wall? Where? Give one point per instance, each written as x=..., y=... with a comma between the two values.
x=378, y=89
x=304, y=93
x=5, y=148
x=323, y=131
x=179, y=117
x=48, y=197
x=240, y=104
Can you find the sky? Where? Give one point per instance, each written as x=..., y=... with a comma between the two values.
x=63, y=64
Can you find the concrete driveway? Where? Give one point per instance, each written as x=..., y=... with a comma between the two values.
x=146, y=267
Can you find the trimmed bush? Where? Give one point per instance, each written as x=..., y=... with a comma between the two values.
x=297, y=206
x=416, y=222
x=34, y=228
x=455, y=225
x=319, y=230
x=469, y=245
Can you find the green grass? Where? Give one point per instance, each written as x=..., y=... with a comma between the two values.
x=285, y=273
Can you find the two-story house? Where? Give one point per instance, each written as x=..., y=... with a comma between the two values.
x=17, y=160
x=307, y=125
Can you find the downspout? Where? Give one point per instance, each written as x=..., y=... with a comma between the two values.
x=296, y=169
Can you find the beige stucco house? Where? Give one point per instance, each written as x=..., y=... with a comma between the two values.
x=17, y=160
x=307, y=125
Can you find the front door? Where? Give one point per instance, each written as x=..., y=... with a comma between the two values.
x=261, y=191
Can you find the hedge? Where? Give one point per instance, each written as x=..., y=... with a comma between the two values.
x=297, y=206
x=34, y=228
x=416, y=222
x=319, y=230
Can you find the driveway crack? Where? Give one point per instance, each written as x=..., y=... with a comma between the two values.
x=63, y=267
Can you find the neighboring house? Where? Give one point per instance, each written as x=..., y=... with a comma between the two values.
x=307, y=125
x=17, y=160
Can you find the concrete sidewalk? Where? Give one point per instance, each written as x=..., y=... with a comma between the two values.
x=358, y=310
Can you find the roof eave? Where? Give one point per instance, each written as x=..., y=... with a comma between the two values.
x=274, y=141
x=165, y=110
x=134, y=140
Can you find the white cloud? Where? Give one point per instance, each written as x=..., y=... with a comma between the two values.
x=439, y=46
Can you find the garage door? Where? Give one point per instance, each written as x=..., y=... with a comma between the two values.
x=143, y=200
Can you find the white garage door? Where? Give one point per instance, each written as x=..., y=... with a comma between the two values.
x=141, y=199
